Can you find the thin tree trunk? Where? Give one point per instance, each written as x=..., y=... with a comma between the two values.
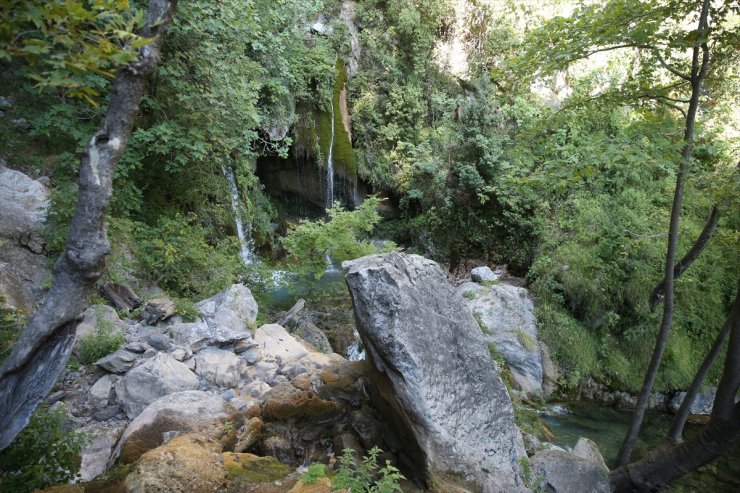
x=667, y=463
x=698, y=73
x=701, y=242
x=675, y=434
x=41, y=352
x=724, y=401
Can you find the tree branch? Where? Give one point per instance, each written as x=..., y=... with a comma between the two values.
x=41, y=352
x=710, y=226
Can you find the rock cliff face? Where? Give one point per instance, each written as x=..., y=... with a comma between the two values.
x=445, y=388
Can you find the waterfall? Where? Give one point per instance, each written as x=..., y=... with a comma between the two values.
x=330, y=164
x=243, y=232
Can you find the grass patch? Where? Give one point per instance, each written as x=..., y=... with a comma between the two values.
x=106, y=339
x=483, y=327
x=526, y=340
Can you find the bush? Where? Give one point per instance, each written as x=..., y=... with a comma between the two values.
x=360, y=478
x=11, y=324
x=106, y=339
x=46, y=452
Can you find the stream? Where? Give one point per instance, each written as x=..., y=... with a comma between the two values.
x=607, y=426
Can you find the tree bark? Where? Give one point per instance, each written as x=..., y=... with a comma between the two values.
x=701, y=242
x=675, y=434
x=698, y=73
x=665, y=464
x=724, y=401
x=43, y=348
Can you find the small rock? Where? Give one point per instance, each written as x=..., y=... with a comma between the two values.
x=6, y=102
x=588, y=450
x=483, y=274
x=233, y=308
x=563, y=472
x=119, y=361
x=21, y=123
x=159, y=342
x=100, y=391
x=701, y=406
x=136, y=347
x=94, y=456
x=228, y=395
x=248, y=435
x=157, y=310
x=244, y=345
x=181, y=354
x=218, y=366
x=280, y=448
x=252, y=355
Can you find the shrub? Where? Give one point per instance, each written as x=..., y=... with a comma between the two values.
x=46, y=452
x=100, y=343
x=11, y=324
x=360, y=478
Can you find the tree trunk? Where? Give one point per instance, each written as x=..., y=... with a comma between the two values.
x=43, y=348
x=664, y=464
x=701, y=242
x=675, y=434
x=698, y=73
x=724, y=401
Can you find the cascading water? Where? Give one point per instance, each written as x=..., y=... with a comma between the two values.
x=330, y=165
x=243, y=232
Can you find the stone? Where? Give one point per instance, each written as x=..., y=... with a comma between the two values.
x=159, y=376
x=23, y=205
x=181, y=354
x=252, y=355
x=97, y=318
x=158, y=309
x=505, y=314
x=244, y=345
x=233, y=308
x=280, y=448
x=437, y=382
x=702, y=405
x=119, y=361
x=366, y=425
x=100, y=391
x=587, y=449
x=285, y=402
x=483, y=274
x=160, y=342
x=190, y=462
x=218, y=366
x=182, y=412
x=275, y=340
x=321, y=485
x=94, y=456
x=256, y=389
x=558, y=471
x=248, y=434
x=199, y=335
x=136, y=347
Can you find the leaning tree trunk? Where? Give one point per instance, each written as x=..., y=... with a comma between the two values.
x=675, y=434
x=698, y=73
x=41, y=352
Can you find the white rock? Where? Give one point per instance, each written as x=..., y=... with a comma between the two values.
x=218, y=366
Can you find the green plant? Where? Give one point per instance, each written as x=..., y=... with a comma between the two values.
x=46, y=452
x=526, y=340
x=483, y=327
x=530, y=481
x=470, y=294
x=361, y=478
x=103, y=341
x=314, y=472
x=12, y=322
x=186, y=309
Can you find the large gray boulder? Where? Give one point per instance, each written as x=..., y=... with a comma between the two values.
x=233, y=308
x=558, y=471
x=181, y=412
x=23, y=203
x=220, y=367
x=94, y=457
x=155, y=378
x=505, y=315
x=445, y=388
x=23, y=267
x=199, y=335
x=702, y=405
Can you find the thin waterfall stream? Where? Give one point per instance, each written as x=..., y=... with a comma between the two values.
x=243, y=232
x=330, y=165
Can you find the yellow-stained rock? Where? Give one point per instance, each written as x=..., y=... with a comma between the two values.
x=189, y=463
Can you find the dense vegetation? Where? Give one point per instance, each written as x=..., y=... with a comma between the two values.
x=571, y=188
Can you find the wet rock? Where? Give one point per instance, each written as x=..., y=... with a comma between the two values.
x=702, y=405
x=440, y=380
x=558, y=471
x=233, y=309
x=159, y=376
x=191, y=463
x=505, y=315
x=286, y=402
x=181, y=412
x=218, y=366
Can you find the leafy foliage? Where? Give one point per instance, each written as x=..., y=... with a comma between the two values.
x=45, y=453
x=103, y=341
x=12, y=322
x=361, y=477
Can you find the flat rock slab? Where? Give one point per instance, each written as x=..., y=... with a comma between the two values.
x=448, y=391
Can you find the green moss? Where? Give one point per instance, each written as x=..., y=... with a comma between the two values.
x=343, y=154
x=483, y=327
x=254, y=469
x=526, y=340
